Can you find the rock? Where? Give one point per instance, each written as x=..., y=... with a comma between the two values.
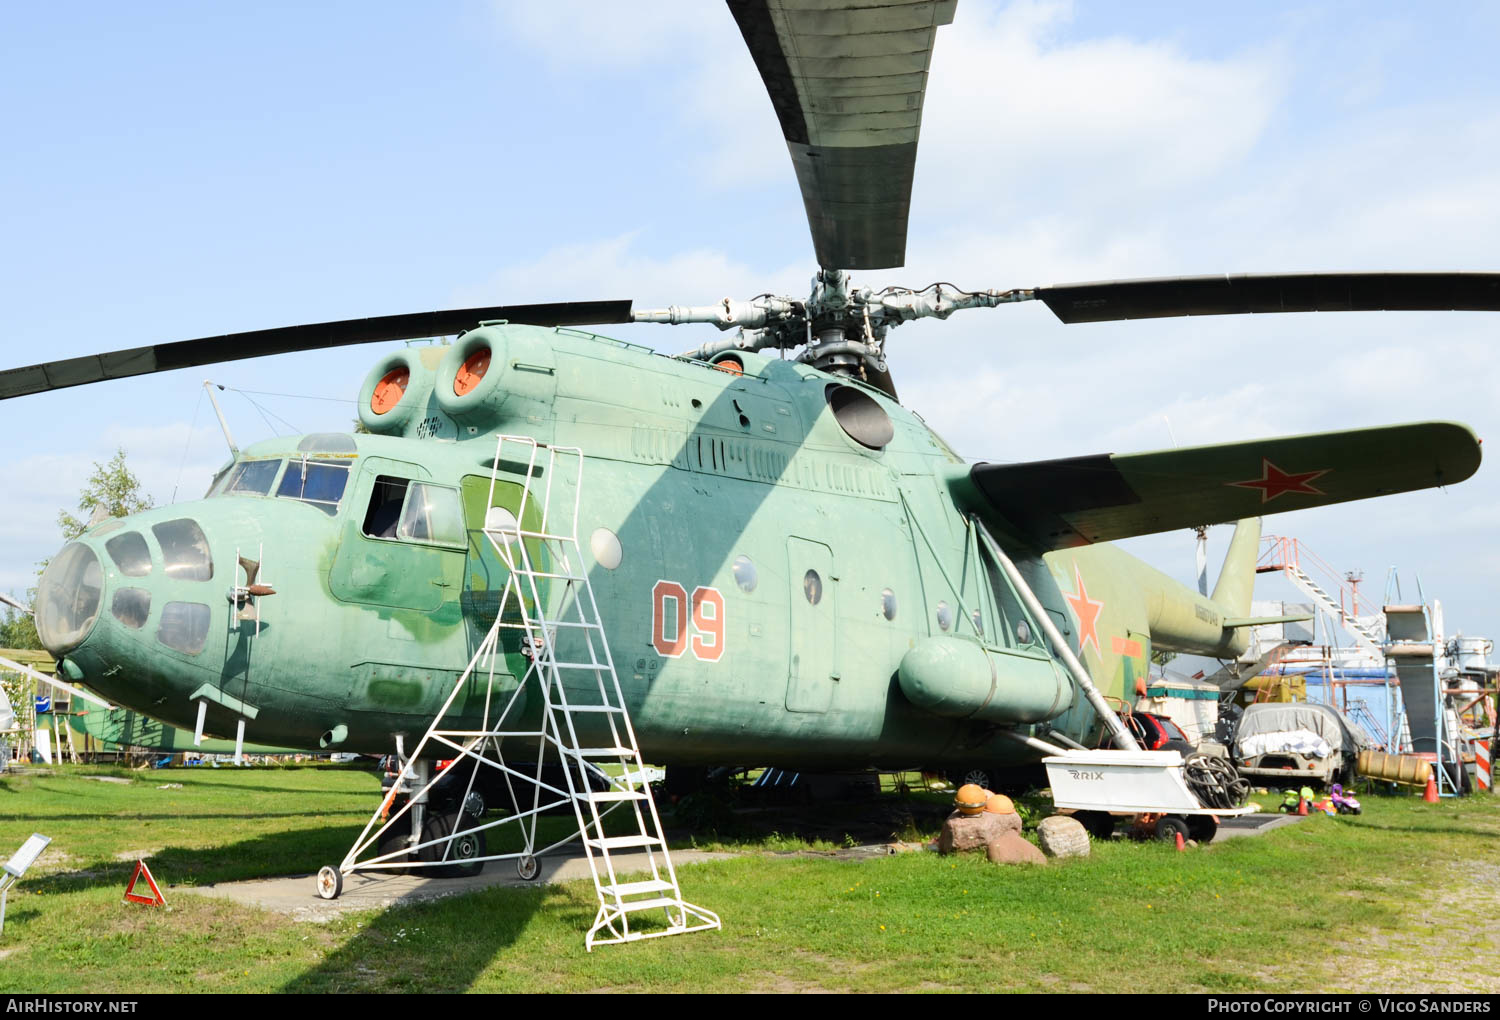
x=1013, y=848
x=975, y=832
x=1061, y=836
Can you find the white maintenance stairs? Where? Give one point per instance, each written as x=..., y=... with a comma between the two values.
x=582, y=729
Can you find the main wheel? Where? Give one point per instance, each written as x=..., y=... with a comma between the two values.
x=330, y=882
x=1202, y=827
x=394, y=840
x=1099, y=824
x=978, y=775
x=1168, y=827
x=460, y=854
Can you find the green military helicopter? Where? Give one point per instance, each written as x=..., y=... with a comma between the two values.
x=790, y=567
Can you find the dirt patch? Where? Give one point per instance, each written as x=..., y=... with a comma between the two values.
x=1447, y=946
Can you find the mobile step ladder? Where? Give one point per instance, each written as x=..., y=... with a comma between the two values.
x=548, y=618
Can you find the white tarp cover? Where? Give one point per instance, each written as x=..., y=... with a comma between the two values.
x=1321, y=720
x=1303, y=742
x=7, y=714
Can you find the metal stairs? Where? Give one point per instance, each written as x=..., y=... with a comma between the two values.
x=1364, y=632
x=547, y=611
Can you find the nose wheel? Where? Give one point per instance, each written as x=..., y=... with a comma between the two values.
x=330, y=882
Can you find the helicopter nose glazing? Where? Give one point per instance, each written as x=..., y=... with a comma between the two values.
x=68, y=598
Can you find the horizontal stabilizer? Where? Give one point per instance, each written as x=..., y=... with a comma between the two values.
x=1261, y=621
x=1058, y=504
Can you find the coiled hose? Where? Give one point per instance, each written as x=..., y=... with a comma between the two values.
x=1215, y=781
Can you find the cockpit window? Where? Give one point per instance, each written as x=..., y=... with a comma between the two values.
x=320, y=483
x=414, y=512
x=184, y=626
x=384, y=513
x=130, y=554
x=431, y=514
x=251, y=477
x=184, y=550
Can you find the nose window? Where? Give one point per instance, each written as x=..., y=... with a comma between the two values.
x=130, y=554
x=68, y=597
x=131, y=606
x=184, y=626
x=184, y=550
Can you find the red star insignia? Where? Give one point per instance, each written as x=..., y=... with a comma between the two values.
x=1274, y=482
x=1087, y=610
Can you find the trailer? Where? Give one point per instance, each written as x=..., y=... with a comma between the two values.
x=1151, y=787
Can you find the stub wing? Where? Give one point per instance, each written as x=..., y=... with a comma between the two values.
x=1060, y=504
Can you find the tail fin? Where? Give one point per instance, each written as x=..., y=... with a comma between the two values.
x=1236, y=584
x=1236, y=581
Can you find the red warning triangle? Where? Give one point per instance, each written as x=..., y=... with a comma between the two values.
x=155, y=900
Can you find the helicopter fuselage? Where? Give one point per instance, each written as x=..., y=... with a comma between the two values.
x=767, y=544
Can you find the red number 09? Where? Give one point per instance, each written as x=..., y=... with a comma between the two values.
x=707, y=641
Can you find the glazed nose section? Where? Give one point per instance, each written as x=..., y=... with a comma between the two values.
x=68, y=598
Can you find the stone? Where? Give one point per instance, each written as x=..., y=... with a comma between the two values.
x=1013, y=848
x=975, y=832
x=1062, y=836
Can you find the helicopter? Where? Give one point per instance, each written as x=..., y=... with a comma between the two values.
x=804, y=573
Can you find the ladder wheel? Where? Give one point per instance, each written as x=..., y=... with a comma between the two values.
x=528, y=867
x=330, y=882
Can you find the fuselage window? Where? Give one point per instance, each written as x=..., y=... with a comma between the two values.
x=131, y=606
x=385, y=506
x=251, y=478
x=184, y=550
x=432, y=514
x=184, y=626
x=130, y=554
x=812, y=587
x=319, y=483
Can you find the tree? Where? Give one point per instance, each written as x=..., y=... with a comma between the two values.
x=113, y=489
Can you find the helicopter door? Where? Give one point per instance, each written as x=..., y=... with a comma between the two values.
x=403, y=541
x=813, y=665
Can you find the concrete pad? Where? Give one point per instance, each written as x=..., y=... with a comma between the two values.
x=373, y=890
x=1252, y=825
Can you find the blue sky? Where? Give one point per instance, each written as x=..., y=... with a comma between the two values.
x=181, y=170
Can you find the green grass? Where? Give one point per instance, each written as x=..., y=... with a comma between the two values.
x=1387, y=900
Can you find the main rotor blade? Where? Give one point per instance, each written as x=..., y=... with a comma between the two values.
x=56, y=375
x=847, y=79
x=1286, y=292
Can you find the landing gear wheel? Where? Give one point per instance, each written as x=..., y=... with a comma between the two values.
x=460, y=854
x=528, y=867
x=1099, y=824
x=330, y=882
x=394, y=840
x=1169, y=826
x=1202, y=827
x=978, y=775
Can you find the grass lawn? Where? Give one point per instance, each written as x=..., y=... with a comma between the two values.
x=1400, y=898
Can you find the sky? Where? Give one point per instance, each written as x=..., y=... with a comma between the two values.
x=176, y=170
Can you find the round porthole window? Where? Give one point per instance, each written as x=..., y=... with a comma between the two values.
x=944, y=615
x=605, y=545
x=888, y=603
x=812, y=587
x=500, y=520
x=1023, y=632
x=744, y=573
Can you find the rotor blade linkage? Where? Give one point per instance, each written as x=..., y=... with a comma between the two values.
x=56, y=375
x=847, y=79
x=1251, y=294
